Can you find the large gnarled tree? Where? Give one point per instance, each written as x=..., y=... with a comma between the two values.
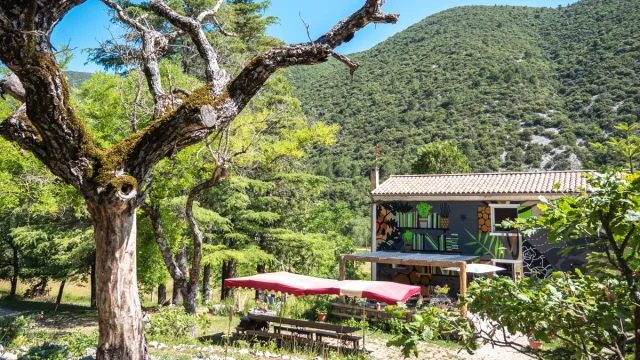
x=113, y=181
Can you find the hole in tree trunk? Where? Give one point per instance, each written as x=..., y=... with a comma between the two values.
x=126, y=189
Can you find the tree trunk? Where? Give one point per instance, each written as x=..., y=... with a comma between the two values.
x=59, y=298
x=178, y=284
x=176, y=298
x=190, y=297
x=228, y=272
x=119, y=311
x=16, y=272
x=43, y=285
x=637, y=331
x=162, y=294
x=207, y=290
x=92, y=282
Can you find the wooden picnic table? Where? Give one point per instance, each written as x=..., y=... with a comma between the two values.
x=304, y=323
x=305, y=328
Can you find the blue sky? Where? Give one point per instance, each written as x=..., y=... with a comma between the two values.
x=89, y=23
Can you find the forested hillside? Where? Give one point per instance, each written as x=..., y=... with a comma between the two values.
x=516, y=87
x=77, y=78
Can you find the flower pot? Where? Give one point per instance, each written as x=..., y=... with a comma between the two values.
x=422, y=223
x=535, y=344
x=408, y=247
x=444, y=222
x=322, y=317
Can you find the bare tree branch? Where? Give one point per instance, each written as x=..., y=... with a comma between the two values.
x=352, y=65
x=18, y=128
x=154, y=44
x=11, y=85
x=221, y=28
x=212, y=12
x=165, y=250
x=215, y=75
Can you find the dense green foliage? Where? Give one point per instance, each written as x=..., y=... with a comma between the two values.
x=433, y=323
x=440, y=157
x=516, y=87
x=76, y=78
x=590, y=317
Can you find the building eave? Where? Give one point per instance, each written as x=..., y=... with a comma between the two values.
x=465, y=197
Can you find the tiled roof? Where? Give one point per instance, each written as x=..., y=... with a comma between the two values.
x=490, y=183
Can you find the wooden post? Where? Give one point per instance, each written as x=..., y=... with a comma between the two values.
x=364, y=320
x=463, y=287
x=343, y=274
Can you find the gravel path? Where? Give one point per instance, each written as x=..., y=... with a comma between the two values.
x=7, y=312
x=431, y=351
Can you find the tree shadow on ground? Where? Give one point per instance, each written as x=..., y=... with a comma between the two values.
x=44, y=314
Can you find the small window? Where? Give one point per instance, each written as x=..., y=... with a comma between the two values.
x=500, y=213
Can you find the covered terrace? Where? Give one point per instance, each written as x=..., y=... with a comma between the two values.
x=415, y=259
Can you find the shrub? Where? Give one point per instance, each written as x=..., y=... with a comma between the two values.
x=77, y=343
x=48, y=351
x=589, y=317
x=433, y=323
x=15, y=329
x=171, y=324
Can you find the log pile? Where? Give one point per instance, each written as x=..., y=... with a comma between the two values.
x=413, y=275
x=484, y=219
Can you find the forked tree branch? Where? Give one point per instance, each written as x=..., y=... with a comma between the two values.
x=62, y=136
x=64, y=143
x=154, y=44
x=205, y=110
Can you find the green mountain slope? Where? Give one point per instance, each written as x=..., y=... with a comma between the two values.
x=517, y=87
x=76, y=78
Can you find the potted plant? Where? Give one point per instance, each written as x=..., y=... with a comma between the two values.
x=408, y=240
x=423, y=210
x=534, y=344
x=322, y=309
x=445, y=210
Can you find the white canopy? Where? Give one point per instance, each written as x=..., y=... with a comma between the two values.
x=478, y=268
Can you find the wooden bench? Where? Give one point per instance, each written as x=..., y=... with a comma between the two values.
x=278, y=330
x=355, y=340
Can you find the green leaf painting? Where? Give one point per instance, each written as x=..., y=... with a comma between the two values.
x=488, y=245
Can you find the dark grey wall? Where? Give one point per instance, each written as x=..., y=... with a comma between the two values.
x=463, y=220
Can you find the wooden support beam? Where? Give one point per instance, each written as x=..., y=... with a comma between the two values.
x=401, y=261
x=463, y=287
x=343, y=274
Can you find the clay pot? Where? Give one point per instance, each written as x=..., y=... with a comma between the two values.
x=322, y=317
x=407, y=247
x=535, y=344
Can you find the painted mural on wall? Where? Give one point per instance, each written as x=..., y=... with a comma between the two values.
x=456, y=227
x=467, y=228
